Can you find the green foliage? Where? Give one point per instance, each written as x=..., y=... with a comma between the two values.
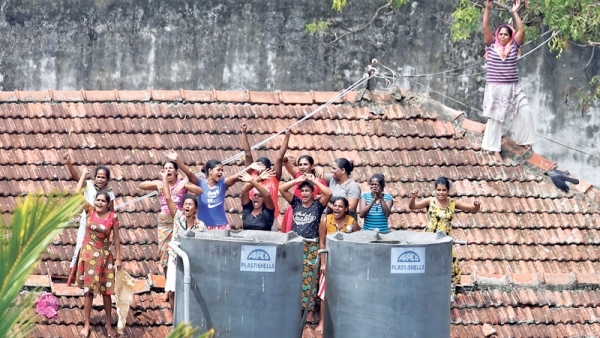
x=466, y=19
x=586, y=98
x=339, y=5
x=576, y=20
x=35, y=223
x=397, y=3
x=184, y=330
x=317, y=26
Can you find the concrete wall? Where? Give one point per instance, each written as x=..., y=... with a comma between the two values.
x=262, y=45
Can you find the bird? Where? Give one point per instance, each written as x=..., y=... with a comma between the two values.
x=559, y=177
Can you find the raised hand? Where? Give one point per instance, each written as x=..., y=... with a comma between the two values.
x=477, y=203
x=244, y=128
x=301, y=178
x=245, y=177
x=171, y=155
x=67, y=158
x=289, y=158
x=267, y=174
x=85, y=172
x=310, y=177
x=257, y=166
x=516, y=5
x=414, y=193
x=319, y=172
x=163, y=173
x=488, y=4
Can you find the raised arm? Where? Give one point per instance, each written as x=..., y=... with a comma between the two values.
x=172, y=155
x=281, y=154
x=167, y=193
x=284, y=188
x=520, y=34
x=193, y=188
x=81, y=181
x=229, y=181
x=325, y=192
x=468, y=206
x=69, y=164
x=251, y=182
x=246, y=145
x=488, y=36
x=288, y=163
x=414, y=205
x=149, y=185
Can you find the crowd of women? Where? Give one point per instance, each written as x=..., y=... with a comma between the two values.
x=319, y=203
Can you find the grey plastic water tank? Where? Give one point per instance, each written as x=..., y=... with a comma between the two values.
x=395, y=285
x=247, y=284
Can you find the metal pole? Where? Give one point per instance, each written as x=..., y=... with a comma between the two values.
x=187, y=279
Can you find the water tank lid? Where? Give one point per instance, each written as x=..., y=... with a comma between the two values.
x=394, y=238
x=248, y=236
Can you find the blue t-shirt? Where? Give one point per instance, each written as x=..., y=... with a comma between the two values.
x=211, y=208
x=376, y=219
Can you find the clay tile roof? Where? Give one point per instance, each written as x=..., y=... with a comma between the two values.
x=531, y=265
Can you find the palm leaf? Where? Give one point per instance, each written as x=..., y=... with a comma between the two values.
x=35, y=222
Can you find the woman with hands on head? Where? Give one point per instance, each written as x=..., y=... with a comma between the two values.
x=376, y=206
x=92, y=187
x=440, y=212
x=272, y=182
x=94, y=271
x=211, y=203
x=306, y=165
x=305, y=222
x=259, y=210
x=177, y=189
x=182, y=219
x=504, y=99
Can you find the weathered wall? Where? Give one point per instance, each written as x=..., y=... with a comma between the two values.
x=262, y=45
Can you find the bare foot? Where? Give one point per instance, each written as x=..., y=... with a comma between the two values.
x=497, y=156
x=310, y=318
x=85, y=332
x=111, y=332
x=527, y=146
x=165, y=297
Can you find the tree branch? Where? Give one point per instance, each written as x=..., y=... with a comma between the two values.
x=389, y=4
x=588, y=63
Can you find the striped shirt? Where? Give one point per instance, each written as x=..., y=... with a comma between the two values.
x=502, y=71
x=376, y=219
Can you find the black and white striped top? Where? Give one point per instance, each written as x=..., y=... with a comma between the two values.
x=502, y=71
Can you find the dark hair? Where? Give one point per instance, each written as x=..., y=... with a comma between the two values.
x=191, y=197
x=343, y=163
x=306, y=184
x=106, y=170
x=211, y=164
x=444, y=181
x=173, y=163
x=380, y=178
x=508, y=28
x=340, y=198
x=106, y=195
x=265, y=161
x=310, y=160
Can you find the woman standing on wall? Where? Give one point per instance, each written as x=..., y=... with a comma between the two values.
x=342, y=185
x=211, y=203
x=178, y=188
x=440, y=212
x=182, y=219
x=504, y=99
x=94, y=271
x=92, y=188
x=305, y=222
x=376, y=206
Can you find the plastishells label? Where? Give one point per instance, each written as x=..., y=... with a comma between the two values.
x=408, y=260
x=258, y=258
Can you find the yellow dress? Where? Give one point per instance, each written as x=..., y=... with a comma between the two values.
x=440, y=219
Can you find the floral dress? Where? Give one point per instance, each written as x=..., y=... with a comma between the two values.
x=95, y=269
x=165, y=220
x=440, y=219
